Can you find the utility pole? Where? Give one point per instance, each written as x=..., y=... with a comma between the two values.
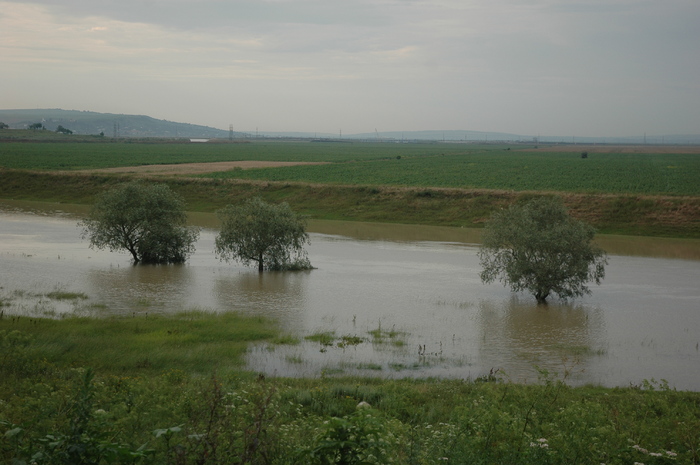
x=230, y=132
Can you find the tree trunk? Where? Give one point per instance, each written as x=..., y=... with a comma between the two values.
x=541, y=297
x=260, y=264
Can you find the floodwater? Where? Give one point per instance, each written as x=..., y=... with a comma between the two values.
x=399, y=301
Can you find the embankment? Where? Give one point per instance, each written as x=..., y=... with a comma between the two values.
x=611, y=214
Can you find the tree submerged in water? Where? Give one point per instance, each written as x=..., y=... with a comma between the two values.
x=538, y=247
x=257, y=232
x=146, y=220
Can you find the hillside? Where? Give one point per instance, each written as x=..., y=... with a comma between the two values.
x=88, y=122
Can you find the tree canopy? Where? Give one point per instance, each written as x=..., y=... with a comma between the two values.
x=256, y=232
x=538, y=247
x=147, y=220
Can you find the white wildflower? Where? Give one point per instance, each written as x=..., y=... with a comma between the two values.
x=640, y=449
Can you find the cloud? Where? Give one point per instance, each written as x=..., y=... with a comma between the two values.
x=544, y=66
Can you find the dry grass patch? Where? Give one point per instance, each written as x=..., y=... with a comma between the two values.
x=196, y=168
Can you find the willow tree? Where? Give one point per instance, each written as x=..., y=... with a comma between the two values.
x=146, y=220
x=538, y=247
x=267, y=235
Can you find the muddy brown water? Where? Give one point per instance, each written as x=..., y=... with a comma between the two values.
x=407, y=299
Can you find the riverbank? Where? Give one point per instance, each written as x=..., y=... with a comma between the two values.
x=638, y=215
x=63, y=392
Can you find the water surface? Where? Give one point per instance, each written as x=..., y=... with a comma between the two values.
x=411, y=295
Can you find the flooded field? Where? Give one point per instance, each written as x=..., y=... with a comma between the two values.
x=385, y=300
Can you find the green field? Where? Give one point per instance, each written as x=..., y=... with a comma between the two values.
x=649, y=174
x=463, y=166
x=78, y=156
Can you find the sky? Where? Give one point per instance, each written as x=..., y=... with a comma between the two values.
x=530, y=67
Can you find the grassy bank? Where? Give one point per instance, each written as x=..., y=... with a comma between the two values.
x=175, y=409
x=643, y=215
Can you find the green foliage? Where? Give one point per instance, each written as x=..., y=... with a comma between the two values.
x=364, y=437
x=272, y=236
x=148, y=221
x=537, y=247
x=86, y=440
x=14, y=355
x=63, y=130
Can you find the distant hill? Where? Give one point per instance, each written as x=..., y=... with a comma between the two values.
x=93, y=123
x=486, y=137
x=89, y=122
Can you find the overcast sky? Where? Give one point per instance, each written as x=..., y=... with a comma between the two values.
x=548, y=67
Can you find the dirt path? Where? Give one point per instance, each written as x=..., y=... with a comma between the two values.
x=195, y=168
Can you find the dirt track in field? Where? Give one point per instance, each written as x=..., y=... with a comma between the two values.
x=196, y=168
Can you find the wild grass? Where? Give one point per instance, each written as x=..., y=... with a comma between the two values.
x=178, y=412
x=196, y=342
x=393, y=337
x=66, y=295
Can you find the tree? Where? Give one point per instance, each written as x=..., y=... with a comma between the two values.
x=4, y=125
x=273, y=236
x=147, y=220
x=63, y=130
x=36, y=126
x=538, y=247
